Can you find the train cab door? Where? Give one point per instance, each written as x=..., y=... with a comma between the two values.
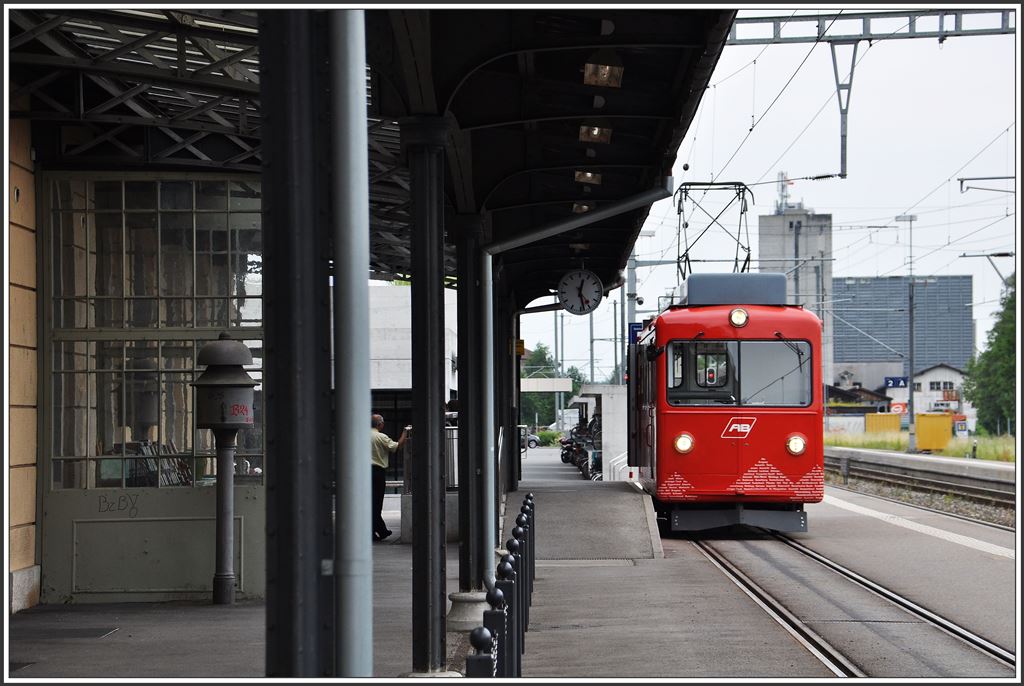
x=644, y=402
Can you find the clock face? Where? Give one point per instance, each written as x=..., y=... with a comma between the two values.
x=580, y=291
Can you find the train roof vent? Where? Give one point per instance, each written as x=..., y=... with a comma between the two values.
x=735, y=289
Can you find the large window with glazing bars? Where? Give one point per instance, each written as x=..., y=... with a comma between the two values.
x=141, y=273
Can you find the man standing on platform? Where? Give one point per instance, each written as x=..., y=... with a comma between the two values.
x=381, y=448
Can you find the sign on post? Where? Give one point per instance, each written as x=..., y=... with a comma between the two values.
x=895, y=382
x=634, y=331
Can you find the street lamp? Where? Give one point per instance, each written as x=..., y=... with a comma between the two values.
x=912, y=443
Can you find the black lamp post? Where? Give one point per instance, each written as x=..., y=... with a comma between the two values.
x=224, y=403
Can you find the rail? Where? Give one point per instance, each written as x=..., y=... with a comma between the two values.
x=990, y=483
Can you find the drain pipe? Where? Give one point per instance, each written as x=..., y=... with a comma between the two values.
x=488, y=252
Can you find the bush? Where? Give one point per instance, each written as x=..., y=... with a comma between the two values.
x=549, y=437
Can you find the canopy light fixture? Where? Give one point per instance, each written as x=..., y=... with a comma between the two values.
x=581, y=207
x=603, y=68
x=588, y=177
x=593, y=132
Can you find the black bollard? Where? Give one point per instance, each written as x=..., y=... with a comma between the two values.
x=524, y=521
x=515, y=601
x=507, y=585
x=523, y=571
x=495, y=620
x=481, y=664
x=533, y=539
x=514, y=545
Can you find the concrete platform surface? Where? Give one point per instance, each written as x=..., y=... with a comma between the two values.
x=611, y=600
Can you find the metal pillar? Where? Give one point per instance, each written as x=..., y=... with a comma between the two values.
x=300, y=603
x=350, y=190
x=509, y=407
x=471, y=418
x=224, y=574
x=486, y=338
x=423, y=139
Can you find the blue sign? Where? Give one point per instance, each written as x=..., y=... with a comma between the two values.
x=895, y=382
x=634, y=331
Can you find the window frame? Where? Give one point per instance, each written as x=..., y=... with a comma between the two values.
x=92, y=337
x=681, y=397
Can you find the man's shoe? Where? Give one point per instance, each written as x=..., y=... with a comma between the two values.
x=384, y=535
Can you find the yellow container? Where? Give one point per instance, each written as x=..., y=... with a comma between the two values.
x=933, y=431
x=881, y=422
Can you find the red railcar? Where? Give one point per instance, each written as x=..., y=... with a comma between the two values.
x=726, y=406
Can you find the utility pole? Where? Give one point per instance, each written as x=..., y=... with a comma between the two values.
x=591, y=347
x=561, y=363
x=622, y=336
x=558, y=395
x=615, y=334
x=912, y=442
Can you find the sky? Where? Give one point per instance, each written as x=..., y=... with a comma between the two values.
x=921, y=115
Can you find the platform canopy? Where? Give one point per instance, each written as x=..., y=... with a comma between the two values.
x=554, y=112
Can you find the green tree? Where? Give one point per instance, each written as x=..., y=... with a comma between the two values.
x=577, y=379
x=990, y=383
x=538, y=407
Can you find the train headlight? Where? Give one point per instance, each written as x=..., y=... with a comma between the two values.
x=796, y=445
x=684, y=443
x=738, y=317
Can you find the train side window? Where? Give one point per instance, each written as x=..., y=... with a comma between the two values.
x=675, y=368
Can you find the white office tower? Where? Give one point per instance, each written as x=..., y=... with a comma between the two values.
x=797, y=242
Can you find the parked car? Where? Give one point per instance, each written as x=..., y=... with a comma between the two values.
x=529, y=440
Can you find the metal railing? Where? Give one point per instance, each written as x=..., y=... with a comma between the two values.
x=451, y=457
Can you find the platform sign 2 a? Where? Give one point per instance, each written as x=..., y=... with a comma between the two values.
x=895, y=382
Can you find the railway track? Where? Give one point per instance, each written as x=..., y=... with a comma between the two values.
x=829, y=655
x=944, y=513
x=991, y=649
x=834, y=660
x=988, y=491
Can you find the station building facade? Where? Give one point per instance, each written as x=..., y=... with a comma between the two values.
x=116, y=282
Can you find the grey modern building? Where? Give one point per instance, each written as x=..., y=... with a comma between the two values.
x=871, y=325
x=797, y=241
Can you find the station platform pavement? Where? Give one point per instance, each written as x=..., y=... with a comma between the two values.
x=608, y=602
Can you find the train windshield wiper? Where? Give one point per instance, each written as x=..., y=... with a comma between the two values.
x=795, y=348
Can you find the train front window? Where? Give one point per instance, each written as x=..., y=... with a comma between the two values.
x=702, y=373
x=776, y=373
x=773, y=373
